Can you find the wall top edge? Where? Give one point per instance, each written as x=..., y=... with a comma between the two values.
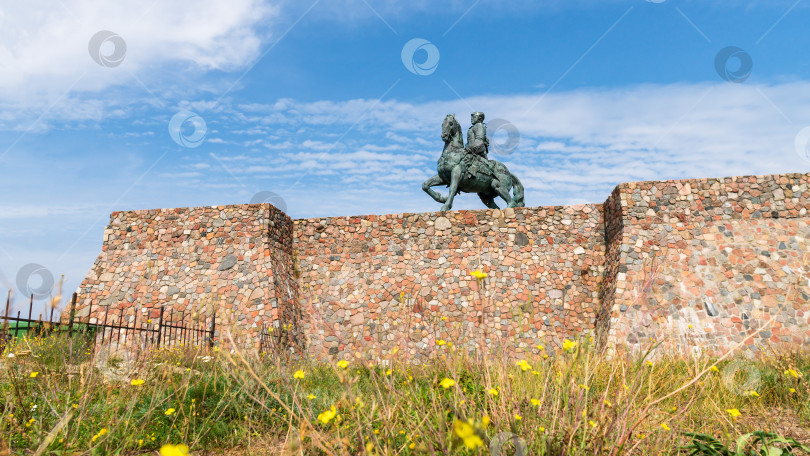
x=619, y=188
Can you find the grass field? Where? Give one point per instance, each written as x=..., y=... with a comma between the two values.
x=58, y=398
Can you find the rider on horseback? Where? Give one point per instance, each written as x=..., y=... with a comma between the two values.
x=467, y=170
x=477, y=146
x=477, y=141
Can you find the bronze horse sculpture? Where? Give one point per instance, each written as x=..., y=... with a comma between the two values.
x=464, y=171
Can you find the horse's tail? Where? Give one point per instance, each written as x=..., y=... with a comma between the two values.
x=517, y=191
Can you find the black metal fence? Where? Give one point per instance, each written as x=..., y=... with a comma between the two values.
x=166, y=330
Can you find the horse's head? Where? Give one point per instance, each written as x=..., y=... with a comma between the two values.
x=449, y=127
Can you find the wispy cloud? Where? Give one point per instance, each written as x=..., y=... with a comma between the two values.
x=574, y=145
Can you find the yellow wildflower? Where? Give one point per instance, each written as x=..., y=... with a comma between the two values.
x=136, y=382
x=592, y=423
x=493, y=392
x=542, y=429
x=485, y=421
x=311, y=397
x=478, y=274
x=299, y=374
x=714, y=369
x=34, y=374
x=100, y=433
x=447, y=383
x=343, y=364
x=326, y=416
x=664, y=426
x=524, y=366
x=541, y=347
x=466, y=432
x=535, y=402
x=518, y=417
x=569, y=345
x=752, y=393
x=173, y=450
x=440, y=342
x=792, y=373
x=793, y=390
x=388, y=372
x=169, y=412
x=734, y=413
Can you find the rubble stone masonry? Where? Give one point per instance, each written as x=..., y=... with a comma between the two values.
x=699, y=264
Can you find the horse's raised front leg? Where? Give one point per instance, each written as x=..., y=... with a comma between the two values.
x=432, y=182
x=454, y=181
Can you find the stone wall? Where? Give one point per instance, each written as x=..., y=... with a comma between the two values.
x=403, y=281
x=707, y=262
x=700, y=262
x=236, y=260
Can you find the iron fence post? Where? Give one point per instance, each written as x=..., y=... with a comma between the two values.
x=213, y=329
x=160, y=326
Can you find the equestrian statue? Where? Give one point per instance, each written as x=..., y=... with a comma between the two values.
x=467, y=169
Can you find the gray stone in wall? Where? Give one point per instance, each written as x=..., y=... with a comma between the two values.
x=227, y=263
x=711, y=309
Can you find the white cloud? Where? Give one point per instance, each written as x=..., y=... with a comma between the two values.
x=575, y=145
x=44, y=45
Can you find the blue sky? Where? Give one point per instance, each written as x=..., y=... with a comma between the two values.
x=312, y=101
